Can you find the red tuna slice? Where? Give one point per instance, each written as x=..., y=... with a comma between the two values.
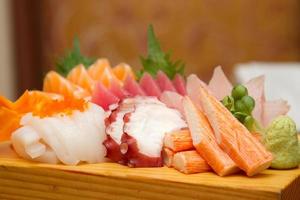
x=132, y=87
x=149, y=85
x=103, y=97
x=164, y=82
x=219, y=84
x=179, y=84
x=172, y=100
x=118, y=91
x=144, y=130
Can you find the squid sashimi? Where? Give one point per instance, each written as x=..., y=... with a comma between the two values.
x=149, y=85
x=164, y=82
x=205, y=142
x=79, y=76
x=55, y=83
x=233, y=137
x=132, y=87
x=179, y=84
x=67, y=132
x=144, y=130
x=103, y=97
x=172, y=100
x=219, y=85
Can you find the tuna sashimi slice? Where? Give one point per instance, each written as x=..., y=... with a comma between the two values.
x=149, y=85
x=273, y=109
x=234, y=138
x=132, y=87
x=103, y=97
x=256, y=89
x=219, y=84
x=164, y=82
x=118, y=91
x=179, y=84
x=205, y=141
x=172, y=100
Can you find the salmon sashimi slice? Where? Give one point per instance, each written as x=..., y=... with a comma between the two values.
x=205, y=142
x=122, y=70
x=80, y=76
x=95, y=70
x=55, y=83
x=233, y=137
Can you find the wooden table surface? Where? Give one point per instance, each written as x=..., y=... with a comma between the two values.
x=20, y=179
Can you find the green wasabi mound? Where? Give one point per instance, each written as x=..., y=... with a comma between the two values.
x=281, y=139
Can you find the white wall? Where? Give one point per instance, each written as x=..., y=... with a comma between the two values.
x=7, y=71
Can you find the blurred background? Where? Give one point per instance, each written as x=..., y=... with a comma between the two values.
x=203, y=33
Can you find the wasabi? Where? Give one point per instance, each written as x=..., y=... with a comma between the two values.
x=281, y=139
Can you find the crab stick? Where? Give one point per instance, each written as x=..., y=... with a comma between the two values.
x=233, y=137
x=205, y=142
x=168, y=155
x=190, y=162
x=179, y=140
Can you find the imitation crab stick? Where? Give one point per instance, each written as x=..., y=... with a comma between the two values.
x=167, y=155
x=204, y=140
x=234, y=138
x=179, y=140
x=190, y=162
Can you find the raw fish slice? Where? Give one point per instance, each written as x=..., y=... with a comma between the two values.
x=219, y=84
x=149, y=85
x=144, y=131
x=172, y=100
x=273, y=109
x=234, y=138
x=118, y=91
x=133, y=88
x=256, y=89
x=96, y=70
x=192, y=86
x=164, y=82
x=55, y=83
x=103, y=97
x=205, y=142
x=179, y=84
x=122, y=70
x=80, y=76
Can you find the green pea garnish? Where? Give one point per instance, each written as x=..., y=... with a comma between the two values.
x=239, y=91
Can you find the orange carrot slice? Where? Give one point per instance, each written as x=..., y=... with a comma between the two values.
x=178, y=140
x=80, y=76
x=190, y=162
x=168, y=155
x=233, y=137
x=55, y=83
x=204, y=140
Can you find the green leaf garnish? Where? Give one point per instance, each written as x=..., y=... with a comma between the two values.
x=72, y=58
x=158, y=60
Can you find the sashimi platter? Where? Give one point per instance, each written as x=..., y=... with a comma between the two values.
x=100, y=132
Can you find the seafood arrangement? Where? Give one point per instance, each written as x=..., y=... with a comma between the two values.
x=90, y=112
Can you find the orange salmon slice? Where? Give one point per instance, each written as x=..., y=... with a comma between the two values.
x=233, y=137
x=55, y=83
x=205, y=142
x=96, y=70
x=79, y=76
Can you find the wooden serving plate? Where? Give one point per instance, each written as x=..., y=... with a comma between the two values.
x=20, y=179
